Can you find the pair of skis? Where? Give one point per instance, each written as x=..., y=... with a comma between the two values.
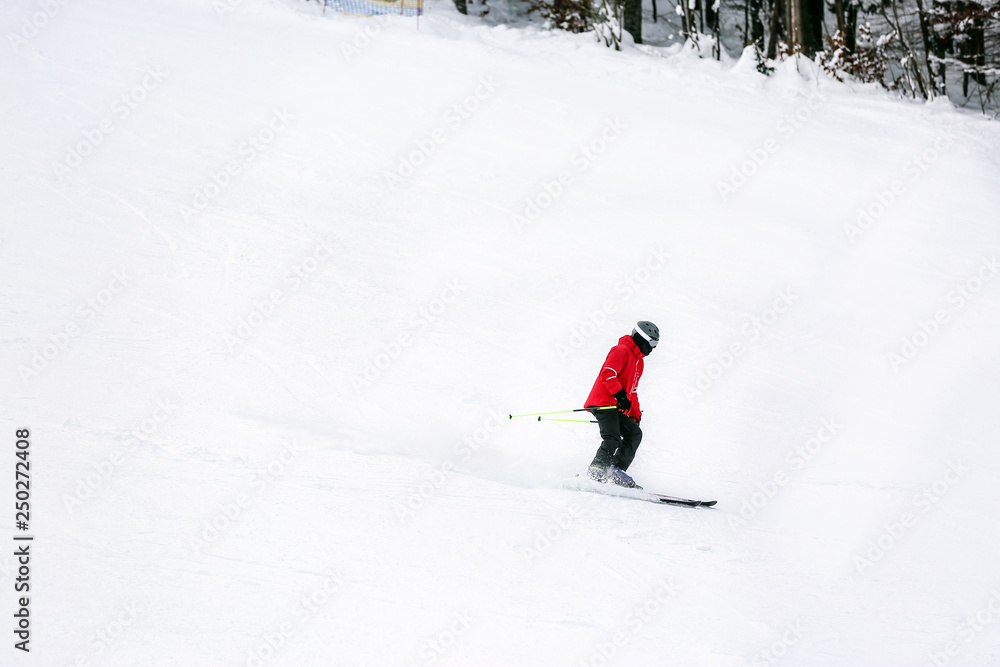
x=586, y=484
x=610, y=489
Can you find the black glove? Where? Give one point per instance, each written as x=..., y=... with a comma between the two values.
x=621, y=398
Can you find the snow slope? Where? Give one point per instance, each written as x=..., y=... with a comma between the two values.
x=267, y=384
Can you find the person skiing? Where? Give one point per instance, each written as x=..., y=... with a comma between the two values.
x=616, y=385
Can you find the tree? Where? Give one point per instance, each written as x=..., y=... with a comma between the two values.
x=804, y=20
x=633, y=19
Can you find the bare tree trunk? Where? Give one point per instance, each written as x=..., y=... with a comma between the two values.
x=633, y=19
x=851, y=27
x=792, y=21
x=756, y=26
x=772, y=42
x=748, y=39
x=812, y=26
x=805, y=25
x=838, y=11
x=925, y=34
x=712, y=18
x=688, y=22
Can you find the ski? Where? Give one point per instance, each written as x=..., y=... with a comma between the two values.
x=687, y=502
x=580, y=483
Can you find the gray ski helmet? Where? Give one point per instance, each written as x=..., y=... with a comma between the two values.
x=647, y=330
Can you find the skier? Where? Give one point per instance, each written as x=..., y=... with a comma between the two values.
x=616, y=385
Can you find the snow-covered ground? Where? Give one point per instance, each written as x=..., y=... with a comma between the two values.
x=273, y=280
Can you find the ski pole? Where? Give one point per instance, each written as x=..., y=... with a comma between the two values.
x=560, y=412
x=581, y=421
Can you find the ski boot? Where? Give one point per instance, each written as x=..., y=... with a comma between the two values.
x=598, y=473
x=616, y=475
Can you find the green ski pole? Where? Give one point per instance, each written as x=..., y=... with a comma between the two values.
x=560, y=412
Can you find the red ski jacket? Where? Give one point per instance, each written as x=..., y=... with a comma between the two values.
x=622, y=370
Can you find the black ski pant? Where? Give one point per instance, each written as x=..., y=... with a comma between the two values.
x=620, y=438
